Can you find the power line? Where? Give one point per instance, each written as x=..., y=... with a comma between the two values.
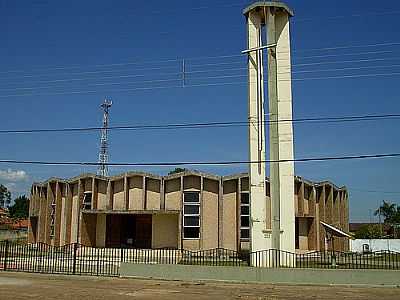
x=374, y=191
x=347, y=76
x=130, y=83
x=103, y=77
x=339, y=119
x=138, y=62
x=191, y=85
x=214, y=163
x=186, y=73
x=345, y=61
x=95, y=72
x=343, y=69
x=345, y=54
x=127, y=89
x=350, y=47
x=395, y=12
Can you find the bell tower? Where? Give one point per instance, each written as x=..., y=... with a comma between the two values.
x=268, y=35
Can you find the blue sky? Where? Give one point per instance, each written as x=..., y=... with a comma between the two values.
x=142, y=45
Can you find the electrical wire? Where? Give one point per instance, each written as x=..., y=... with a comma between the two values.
x=192, y=72
x=374, y=191
x=345, y=61
x=346, y=76
x=141, y=61
x=193, y=85
x=210, y=163
x=337, y=119
x=394, y=12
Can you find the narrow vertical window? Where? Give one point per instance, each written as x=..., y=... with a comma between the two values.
x=87, y=200
x=244, y=216
x=52, y=218
x=191, y=215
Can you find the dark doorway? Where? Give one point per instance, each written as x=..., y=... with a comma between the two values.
x=132, y=231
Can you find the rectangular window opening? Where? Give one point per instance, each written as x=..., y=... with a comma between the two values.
x=87, y=200
x=52, y=218
x=191, y=215
x=244, y=216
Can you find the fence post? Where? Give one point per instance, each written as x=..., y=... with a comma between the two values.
x=5, y=255
x=74, y=261
x=98, y=260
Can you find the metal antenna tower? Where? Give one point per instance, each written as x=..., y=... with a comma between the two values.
x=103, y=154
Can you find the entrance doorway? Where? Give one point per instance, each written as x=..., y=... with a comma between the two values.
x=133, y=231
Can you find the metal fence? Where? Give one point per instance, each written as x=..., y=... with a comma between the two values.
x=81, y=260
x=387, y=260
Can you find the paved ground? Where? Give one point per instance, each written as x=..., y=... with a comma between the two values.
x=37, y=286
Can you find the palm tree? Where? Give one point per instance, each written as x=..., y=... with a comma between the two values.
x=387, y=210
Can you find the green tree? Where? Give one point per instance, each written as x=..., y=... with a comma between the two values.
x=369, y=231
x=177, y=170
x=396, y=217
x=5, y=196
x=387, y=210
x=20, y=209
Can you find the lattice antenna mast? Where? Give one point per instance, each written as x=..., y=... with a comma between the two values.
x=103, y=154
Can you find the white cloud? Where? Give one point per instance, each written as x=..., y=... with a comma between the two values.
x=13, y=176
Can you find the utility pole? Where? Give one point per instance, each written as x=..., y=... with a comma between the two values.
x=103, y=154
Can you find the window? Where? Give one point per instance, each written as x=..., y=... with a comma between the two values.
x=191, y=215
x=52, y=218
x=87, y=200
x=244, y=216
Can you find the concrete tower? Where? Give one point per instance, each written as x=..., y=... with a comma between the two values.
x=273, y=17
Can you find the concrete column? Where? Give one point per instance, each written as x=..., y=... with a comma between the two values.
x=110, y=196
x=75, y=212
x=300, y=199
x=202, y=216
x=162, y=194
x=256, y=134
x=38, y=205
x=344, y=218
x=238, y=212
x=281, y=133
x=144, y=193
x=101, y=230
x=126, y=192
x=63, y=228
x=68, y=221
x=275, y=15
x=31, y=201
x=95, y=194
x=336, y=209
x=329, y=206
x=58, y=215
x=81, y=194
x=313, y=231
x=50, y=198
x=181, y=215
x=42, y=216
x=321, y=217
x=220, y=214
